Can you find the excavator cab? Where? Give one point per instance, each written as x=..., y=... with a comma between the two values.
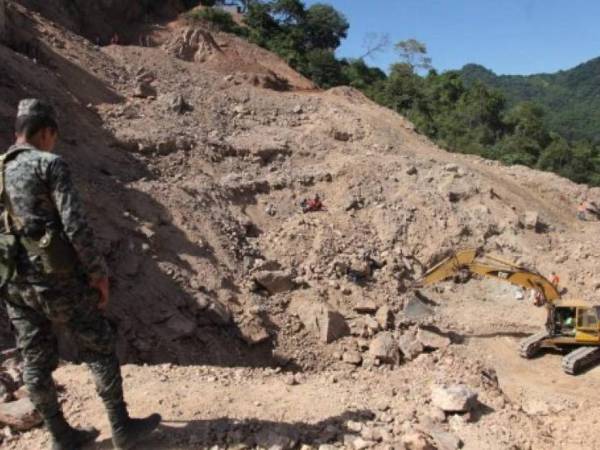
x=588, y=325
x=565, y=319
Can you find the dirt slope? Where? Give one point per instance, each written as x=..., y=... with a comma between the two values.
x=193, y=171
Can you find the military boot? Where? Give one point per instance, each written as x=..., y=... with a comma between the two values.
x=127, y=432
x=65, y=437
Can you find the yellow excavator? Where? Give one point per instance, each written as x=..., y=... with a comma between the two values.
x=570, y=323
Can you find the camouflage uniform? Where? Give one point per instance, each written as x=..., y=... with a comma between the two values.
x=42, y=197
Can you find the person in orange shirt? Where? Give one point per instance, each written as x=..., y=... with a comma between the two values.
x=554, y=279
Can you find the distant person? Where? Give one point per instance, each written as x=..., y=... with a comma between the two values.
x=115, y=40
x=582, y=210
x=98, y=41
x=537, y=297
x=60, y=279
x=312, y=205
x=554, y=279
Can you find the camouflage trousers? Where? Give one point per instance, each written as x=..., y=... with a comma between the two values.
x=34, y=308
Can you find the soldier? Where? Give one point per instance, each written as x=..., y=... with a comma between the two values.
x=61, y=279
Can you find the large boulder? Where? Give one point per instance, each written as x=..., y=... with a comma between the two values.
x=385, y=317
x=275, y=282
x=321, y=319
x=415, y=309
x=385, y=348
x=332, y=326
x=253, y=330
x=180, y=326
x=410, y=346
x=430, y=339
x=453, y=399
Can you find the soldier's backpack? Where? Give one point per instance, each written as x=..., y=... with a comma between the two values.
x=55, y=252
x=9, y=242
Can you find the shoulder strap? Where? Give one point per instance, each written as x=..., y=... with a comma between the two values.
x=4, y=159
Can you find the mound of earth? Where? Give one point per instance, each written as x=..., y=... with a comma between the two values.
x=194, y=173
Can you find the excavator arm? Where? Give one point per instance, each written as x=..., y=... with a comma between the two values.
x=474, y=262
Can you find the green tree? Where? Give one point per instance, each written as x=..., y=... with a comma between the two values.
x=557, y=156
x=323, y=68
x=288, y=12
x=325, y=27
x=414, y=53
x=263, y=27
x=360, y=76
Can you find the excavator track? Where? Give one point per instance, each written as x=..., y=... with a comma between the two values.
x=530, y=346
x=580, y=359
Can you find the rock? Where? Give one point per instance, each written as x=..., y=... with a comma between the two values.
x=368, y=434
x=271, y=210
x=385, y=348
x=429, y=339
x=354, y=426
x=143, y=89
x=290, y=380
x=410, y=346
x=444, y=440
x=412, y=170
x=319, y=318
x=352, y=357
x=383, y=435
x=180, y=326
x=332, y=326
x=385, y=317
x=451, y=167
x=416, y=441
x=457, y=189
x=275, y=282
x=436, y=415
x=366, y=307
x=531, y=221
x=166, y=146
x=272, y=440
x=297, y=109
x=342, y=136
x=253, y=330
x=20, y=415
x=360, y=444
x=415, y=309
x=371, y=324
x=454, y=398
x=354, y=203
x=179, y=105
x=217, y=313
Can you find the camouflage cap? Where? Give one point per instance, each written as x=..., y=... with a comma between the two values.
x=35, y=107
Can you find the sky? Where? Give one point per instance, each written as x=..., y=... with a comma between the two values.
x=506, y=36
